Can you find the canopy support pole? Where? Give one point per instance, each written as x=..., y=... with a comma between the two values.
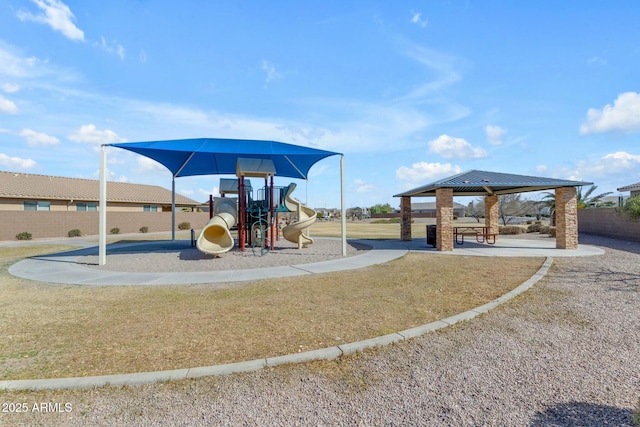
x=102, y=232
x=343, y=212
x=173, y=196
x=173, y=208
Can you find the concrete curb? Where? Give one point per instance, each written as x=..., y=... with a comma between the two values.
x=328, y=353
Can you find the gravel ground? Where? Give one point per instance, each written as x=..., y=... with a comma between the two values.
x=565, y=353
x=180, y=256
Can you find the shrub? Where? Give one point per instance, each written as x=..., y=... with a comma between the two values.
x=115, y=230
x=74, y=233
x=144, y=229
x=534, y=228
x=631, y=207
x=552, y=232
x=23, y=236
x=511, y=229
x=184, y=226
x=635, y=417
x=544, y=229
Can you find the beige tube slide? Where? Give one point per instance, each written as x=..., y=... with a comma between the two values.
x=215, y=237
x=298, y=232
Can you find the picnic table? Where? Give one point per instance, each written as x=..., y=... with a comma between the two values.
x=481, y=234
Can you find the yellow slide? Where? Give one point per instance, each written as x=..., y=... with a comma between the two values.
x=298, y=232
x=215, y=237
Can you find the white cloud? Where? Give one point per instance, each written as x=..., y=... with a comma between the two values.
x=622, y=160
x=362, y=186
x=7, y=106
x=89, y=133
x=270, y=71
x=455, y=148
x=423, y=171
x=541, y=168
x=215, y=192
x=596, y=60
x=317, y=170
x=445, y=72
x=495, y=134
x=57, y=15
x=618, y=166
x=14, y=66
x=38, y=139
x=147, y=165
x=10, y=87
x=111, y=176
x=416, y=18
x=16, y=162
x=623, y=116
x=116, y=49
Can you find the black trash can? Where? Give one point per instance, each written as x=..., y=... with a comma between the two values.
x=431, y=235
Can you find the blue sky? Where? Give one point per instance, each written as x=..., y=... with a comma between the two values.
x=409, y=91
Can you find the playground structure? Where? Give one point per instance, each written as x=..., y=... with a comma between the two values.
x=297, y=232
x=256, y=218
x=216, y=237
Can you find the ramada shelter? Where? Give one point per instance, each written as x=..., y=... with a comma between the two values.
x=490, y=185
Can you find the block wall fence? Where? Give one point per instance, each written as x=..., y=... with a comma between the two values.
x=608, y=223
x=42, y=224
x=46, y=224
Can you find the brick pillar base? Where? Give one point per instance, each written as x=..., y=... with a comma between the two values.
x=405, y=222
x=566, y=218
x=491, y=214
x=444, y=219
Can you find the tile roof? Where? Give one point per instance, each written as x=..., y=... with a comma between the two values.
x=632, y=187
x=18, y=185
x=482, y=183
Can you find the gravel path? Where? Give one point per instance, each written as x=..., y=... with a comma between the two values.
x=566, y=353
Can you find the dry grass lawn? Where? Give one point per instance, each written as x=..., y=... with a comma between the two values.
x=366, y=230
x=51, y=331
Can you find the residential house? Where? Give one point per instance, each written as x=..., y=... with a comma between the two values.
x=633, y=188
x=21, y=191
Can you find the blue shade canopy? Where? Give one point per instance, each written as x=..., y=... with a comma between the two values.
x=214, y=156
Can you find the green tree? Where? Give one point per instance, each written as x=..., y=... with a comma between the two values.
x=586, y=200
x=632, y=207
x=583, y=200
x=381, y=209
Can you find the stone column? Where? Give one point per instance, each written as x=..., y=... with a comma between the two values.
x=566, y=218
x=444, y=219
x=491, y=214
x=405, y=220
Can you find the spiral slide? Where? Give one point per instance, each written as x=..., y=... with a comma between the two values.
x=215, y=237
x=297, y=231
